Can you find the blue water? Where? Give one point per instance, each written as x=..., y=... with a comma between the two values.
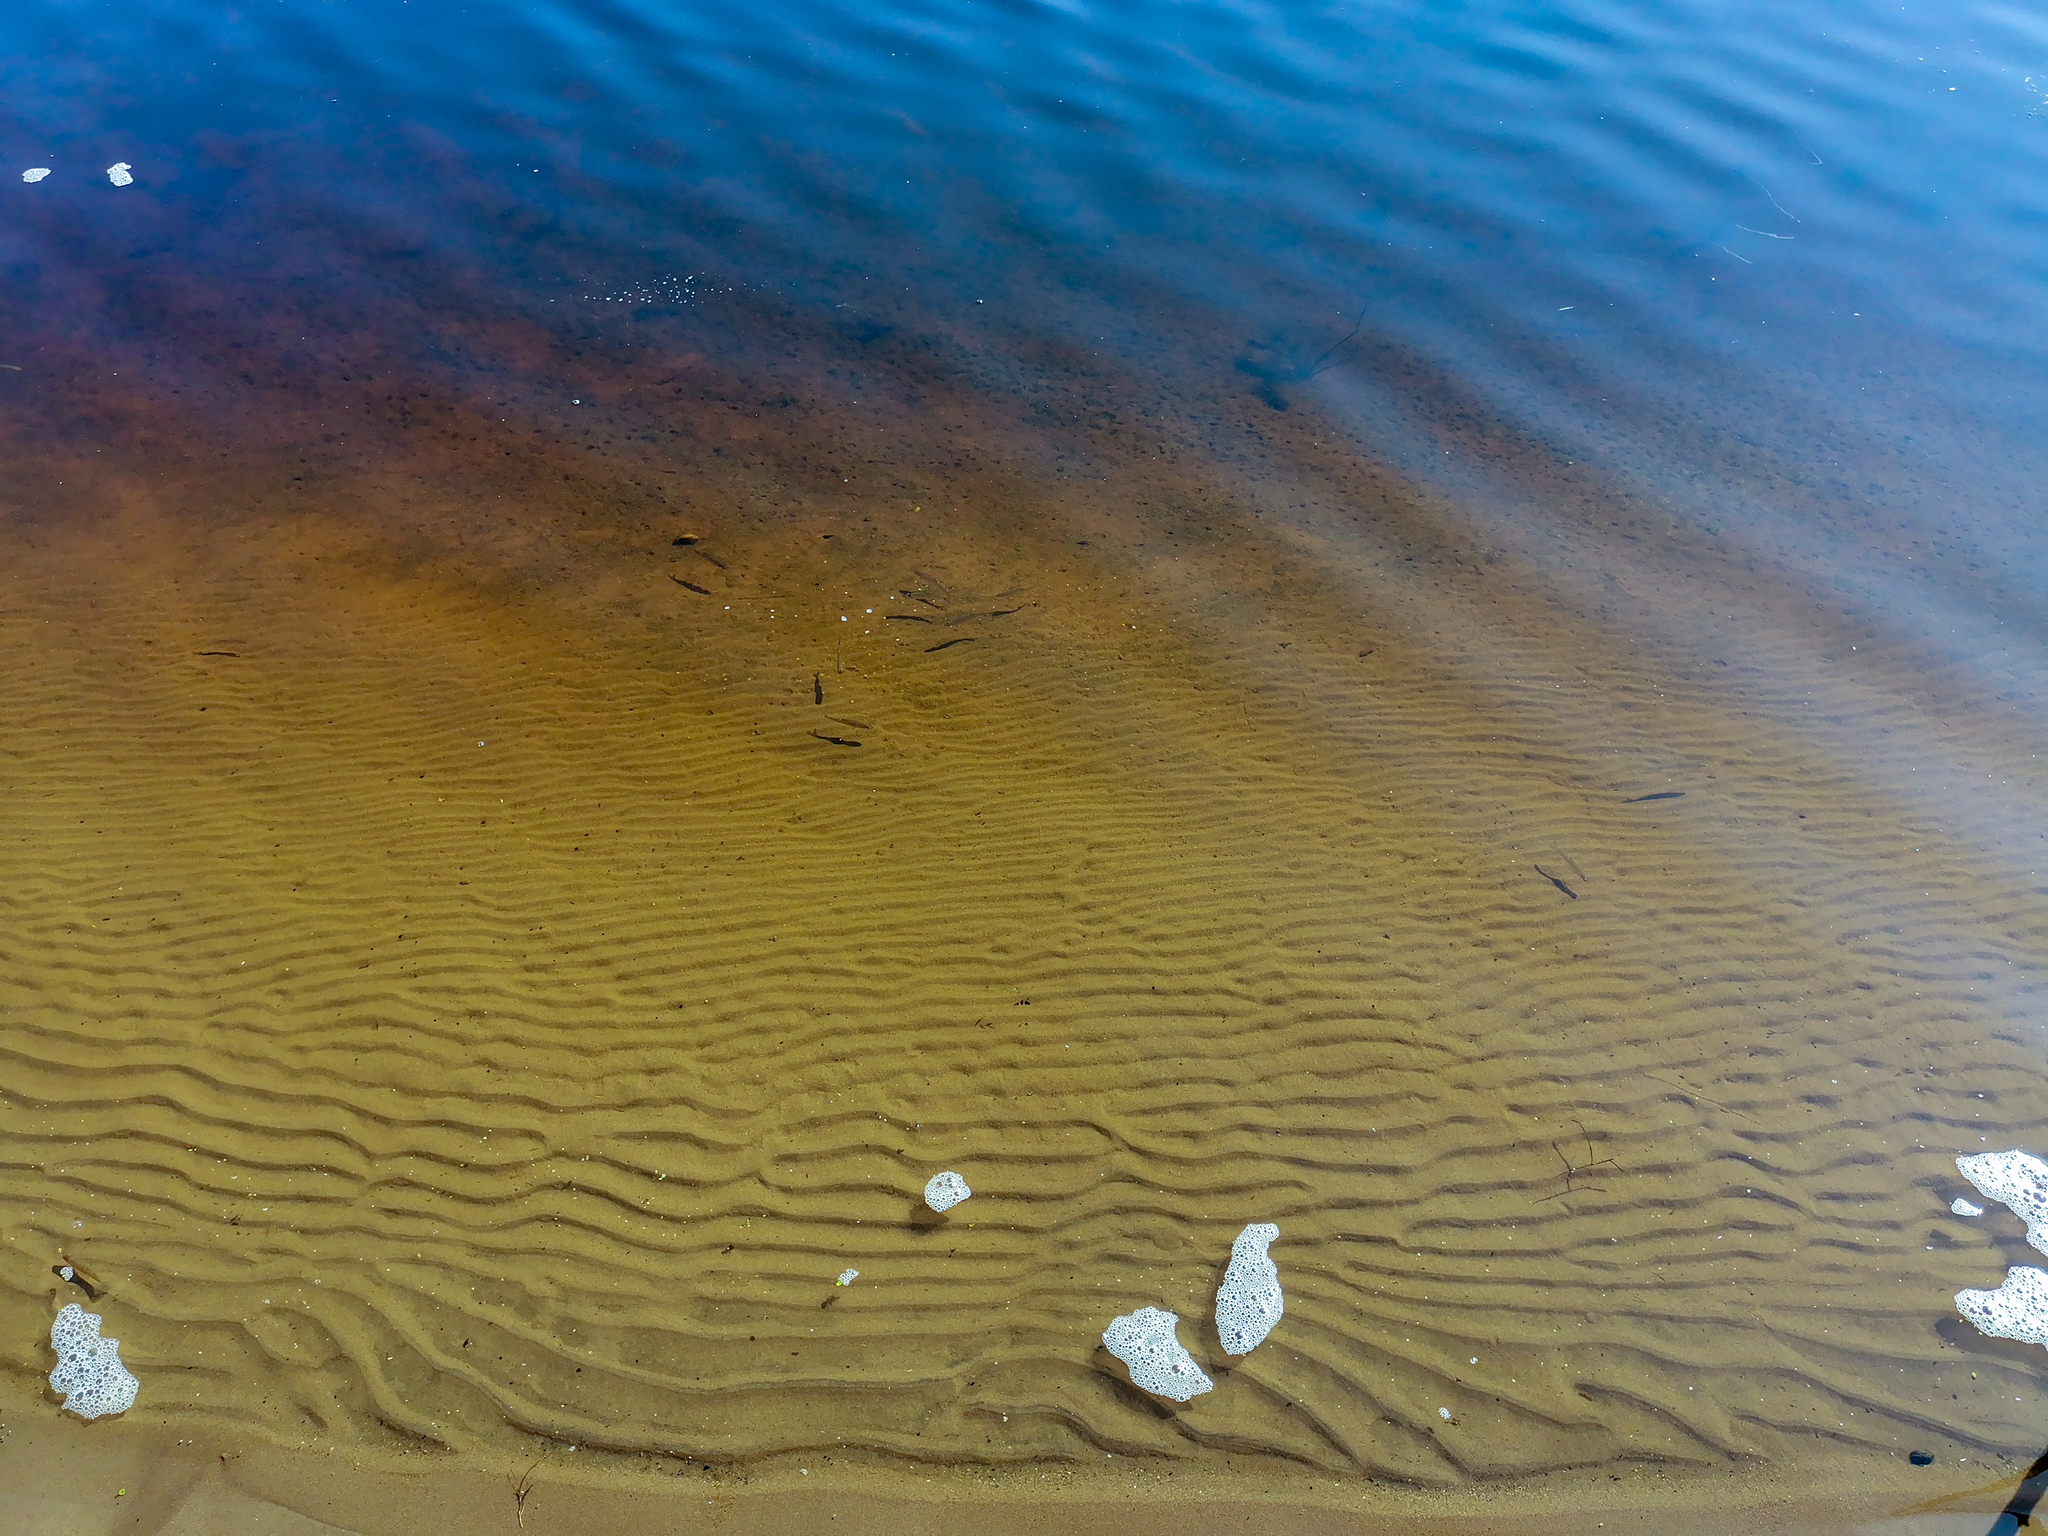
x=1575, y=214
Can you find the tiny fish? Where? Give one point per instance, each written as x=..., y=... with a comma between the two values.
x=908, y=618
x=700, y=591
x=1546, y=874
x=858, y=725
x=963, y=640
x=1662, y=794
x=217, y=653
x=66, y=1272
x=714, y=559
x=837, y=741
x=817, y=687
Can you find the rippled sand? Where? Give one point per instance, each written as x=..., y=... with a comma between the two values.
x=457, y=994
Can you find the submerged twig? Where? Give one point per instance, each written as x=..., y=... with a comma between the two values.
x=1571, y=1168
x=523, y=1489
x=1358, y=325
x=1694, y=1093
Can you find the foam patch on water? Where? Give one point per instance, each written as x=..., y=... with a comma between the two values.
x=36, y=174
x=2017, y=1181
x=89, y=1371
x=1248, y=1303
x=1963, y=1207
x=1144, y=1340
x=2018, y=1309
x=118, y=173
x=945, y=1190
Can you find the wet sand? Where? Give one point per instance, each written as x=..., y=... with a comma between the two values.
x=460, y=1002
x=59, y=1483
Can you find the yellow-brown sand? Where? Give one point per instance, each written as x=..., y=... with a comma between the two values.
x=122, y=1477
x=485, y=1014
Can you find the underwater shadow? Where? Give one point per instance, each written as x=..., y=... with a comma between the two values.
x=2019, y=1509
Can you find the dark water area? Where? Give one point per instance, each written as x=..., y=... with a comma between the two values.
x=1787, y=258
x=1362, y=464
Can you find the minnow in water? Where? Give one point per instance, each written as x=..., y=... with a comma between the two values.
x=1546, y=874
x=963, y=640
x=700, y=591
x=1662, y=794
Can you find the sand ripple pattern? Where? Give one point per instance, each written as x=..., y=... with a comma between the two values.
x=423, y=1029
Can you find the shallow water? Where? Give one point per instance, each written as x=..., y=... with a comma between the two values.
x=629, y=630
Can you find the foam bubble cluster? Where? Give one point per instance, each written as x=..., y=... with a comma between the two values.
x=89, y=1371
x=1961, y=1207
x=1248, y=1302
x=945, y=1190
x=120, y=174
x=2014, y=1180
x=1144, y=1340
x=661, y=293
x=2018, y=1309
x=36, y=174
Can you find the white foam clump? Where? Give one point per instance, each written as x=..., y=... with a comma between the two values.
x=1248, y=1302
x=2018, y=1309
x=1144, y=1340
x=945, y=1190
x=118, y=173
x=847, y=1277
x=2017, y=1181
x=1963, y=1207
x=37, y=174
x=89, y=1371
